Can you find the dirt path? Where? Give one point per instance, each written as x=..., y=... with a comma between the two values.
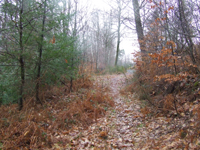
x=126, y=126
x=116, y=129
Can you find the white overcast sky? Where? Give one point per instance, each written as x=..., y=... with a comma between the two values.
x=129, y=40
x=130, y=45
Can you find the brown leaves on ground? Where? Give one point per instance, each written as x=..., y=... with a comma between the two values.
x=84, y=120
x=171, y=109
x=134, y=125
x=38, y=127
x=170, y=86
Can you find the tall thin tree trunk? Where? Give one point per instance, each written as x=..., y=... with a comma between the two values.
x=40, y=49
x=139, y=28
x=118, y=33
x=97, y=43
x=117, y=52
x=21, y=59
x=97, y=55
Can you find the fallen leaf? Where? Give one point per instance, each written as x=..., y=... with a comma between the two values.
x=103, y=134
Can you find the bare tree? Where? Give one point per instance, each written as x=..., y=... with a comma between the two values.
x=119, y=11
x=138, y=23
x=186, y=31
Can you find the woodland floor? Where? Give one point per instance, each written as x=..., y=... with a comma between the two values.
x=128, y=125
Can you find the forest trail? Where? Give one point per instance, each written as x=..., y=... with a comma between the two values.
x=115, y=130
x=127, y=126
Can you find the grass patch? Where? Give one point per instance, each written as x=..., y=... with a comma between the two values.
x=116, y=70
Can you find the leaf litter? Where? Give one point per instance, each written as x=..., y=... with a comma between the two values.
x=130, y=125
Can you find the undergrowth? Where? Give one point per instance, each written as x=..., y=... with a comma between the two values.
x=40, y=126
x=170, y=86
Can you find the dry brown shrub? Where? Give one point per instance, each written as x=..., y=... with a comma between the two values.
x=169, y=102
x=38, y=127
x=22, y=129
x=162, y=73
x=83, y=82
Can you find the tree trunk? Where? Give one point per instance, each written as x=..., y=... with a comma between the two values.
x=186, y=29
x=118, y=33
x=40, y=49
x=21, y=59
x=97, y=43
x=139, y=28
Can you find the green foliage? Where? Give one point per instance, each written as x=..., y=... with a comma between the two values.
x=8, y=88
x=59, y=50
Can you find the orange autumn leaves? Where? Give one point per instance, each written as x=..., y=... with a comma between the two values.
x=53, y=41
